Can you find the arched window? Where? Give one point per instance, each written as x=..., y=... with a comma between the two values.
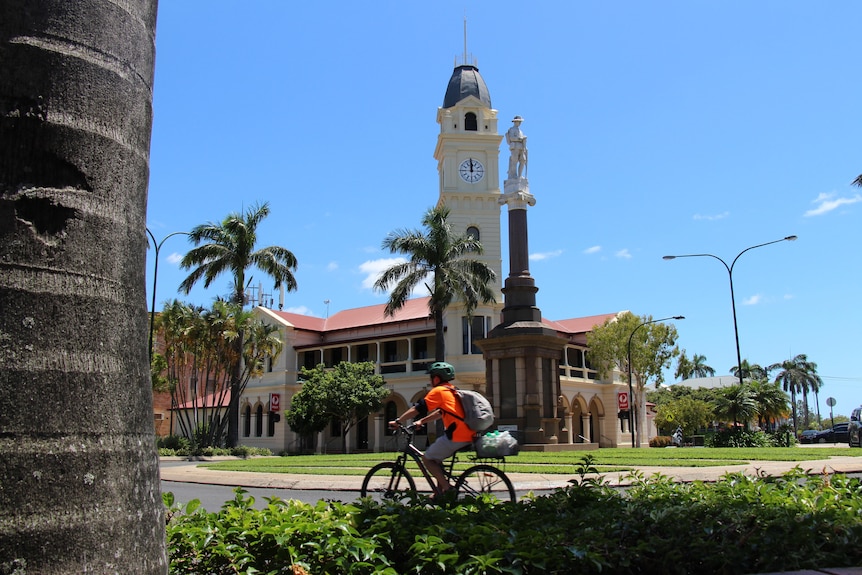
x=473, y=232
x=246, y=423
x=470, y=123
x=258, y=424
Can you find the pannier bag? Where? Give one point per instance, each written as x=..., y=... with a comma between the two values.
x=496, y=444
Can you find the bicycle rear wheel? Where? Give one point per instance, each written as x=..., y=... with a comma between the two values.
x=485, y=479
x=387, y=479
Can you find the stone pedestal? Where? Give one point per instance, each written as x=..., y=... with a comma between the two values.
x=521, y=354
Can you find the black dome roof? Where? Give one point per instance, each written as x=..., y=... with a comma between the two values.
x=466, y=81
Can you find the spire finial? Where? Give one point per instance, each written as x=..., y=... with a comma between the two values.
x=465, y=36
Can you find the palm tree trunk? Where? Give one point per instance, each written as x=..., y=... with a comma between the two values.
x=793, y=407
x=80, y=487
x=235, y=391
x=439, y=336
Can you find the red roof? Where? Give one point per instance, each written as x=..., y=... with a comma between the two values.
x=207, y=401
x=579, y=324
x=413, y=309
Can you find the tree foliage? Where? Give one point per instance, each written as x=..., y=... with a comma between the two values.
x=736, y=403
x=750, y=371
x=770, y=403
x=687, y=412
x=695, y=367
x=200, y=354
x=652, y=347
x=798, y=375
x=440, y=255
x=230, y=247
x=346, y=393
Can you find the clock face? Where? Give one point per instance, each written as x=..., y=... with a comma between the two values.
x=471, y=170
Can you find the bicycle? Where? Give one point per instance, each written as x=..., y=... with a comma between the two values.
x=391, y=478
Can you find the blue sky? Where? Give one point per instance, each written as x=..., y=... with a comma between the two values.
x=654, y=128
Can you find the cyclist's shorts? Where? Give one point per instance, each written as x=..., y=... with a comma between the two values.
x=444, y=447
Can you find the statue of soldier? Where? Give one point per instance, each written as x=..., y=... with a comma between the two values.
x=518, y=149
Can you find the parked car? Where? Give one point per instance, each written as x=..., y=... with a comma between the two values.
x=807, y=435
x=838, y=434
x=854, y=430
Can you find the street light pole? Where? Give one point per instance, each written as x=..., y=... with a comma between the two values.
x=158, y=246
x=732, y=298
x=632, y=414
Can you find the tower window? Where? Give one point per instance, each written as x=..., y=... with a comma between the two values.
x=473, y=232
x=470, y=123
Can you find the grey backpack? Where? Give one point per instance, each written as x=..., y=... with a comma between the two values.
x=478, y=413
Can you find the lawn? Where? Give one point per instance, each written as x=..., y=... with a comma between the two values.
x=605, y=460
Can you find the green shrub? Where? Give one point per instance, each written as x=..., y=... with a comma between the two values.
x=661, y=441
x=176, y=442
x=739, y=524
x=738, y=438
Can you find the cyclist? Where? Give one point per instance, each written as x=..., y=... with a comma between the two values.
x=440, y=401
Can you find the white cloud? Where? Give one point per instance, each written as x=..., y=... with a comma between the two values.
x=788, y=296
x=175, y=258
x=302, y=310
x=545, y=255
x=332, y=266
x=753, y=300
x=828, y=202
x=593, y=250
x=624, y=254
x=720, y=216
x=373, y=268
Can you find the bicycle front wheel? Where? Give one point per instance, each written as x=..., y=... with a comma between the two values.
x=386, y=480
x=485, y=479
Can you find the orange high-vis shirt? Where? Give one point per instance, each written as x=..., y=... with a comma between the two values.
x=443, y=397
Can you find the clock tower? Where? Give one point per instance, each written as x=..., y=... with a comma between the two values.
x=467, y=154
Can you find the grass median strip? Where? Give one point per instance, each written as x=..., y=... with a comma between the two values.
x=563, y=463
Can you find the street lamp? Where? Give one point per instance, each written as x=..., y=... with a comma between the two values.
x=632, y=415
x=158, y=246
x=732, y=299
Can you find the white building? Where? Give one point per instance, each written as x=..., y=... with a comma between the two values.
x=401, y=347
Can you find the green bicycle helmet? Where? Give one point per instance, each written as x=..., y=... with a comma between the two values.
x=443, y=370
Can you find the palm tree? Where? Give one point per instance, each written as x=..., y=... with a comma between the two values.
x=770, y=401
x=699, y=367
x=230, y=247
x=798, y=375
x=751, y=371
x=857, y=181
x=80, y=468
x=439, y=254
x=199, y=347
x=684, y=368
x=737, y=403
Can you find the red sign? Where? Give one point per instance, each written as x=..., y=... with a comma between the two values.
x=623, y=400
x=275, y=402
